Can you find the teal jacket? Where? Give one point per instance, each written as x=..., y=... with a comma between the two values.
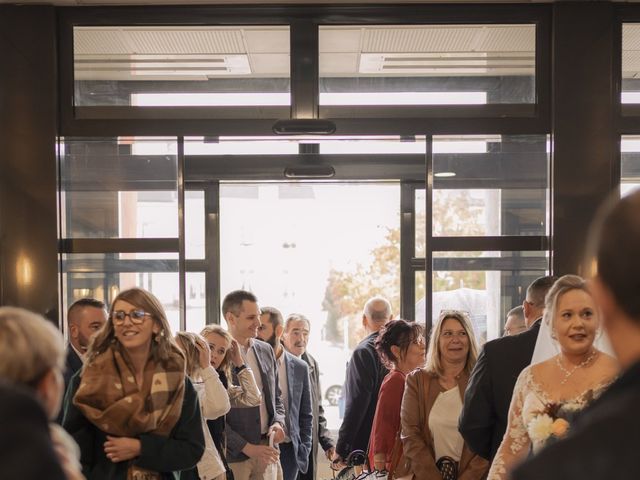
x=180, y=451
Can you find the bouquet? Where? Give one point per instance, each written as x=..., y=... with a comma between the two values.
x=555, y=419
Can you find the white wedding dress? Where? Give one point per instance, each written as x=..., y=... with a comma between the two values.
x=528, y=429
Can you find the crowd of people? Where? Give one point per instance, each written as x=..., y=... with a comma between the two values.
x=555, y=397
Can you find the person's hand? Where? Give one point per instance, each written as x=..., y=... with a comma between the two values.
x=279, y=436
x=330, y=452
x=204, y=353
x=120, y=449
x=234, y=353
x=337, y=462
x=264, y=454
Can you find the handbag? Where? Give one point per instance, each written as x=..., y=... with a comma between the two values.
x=448, y=468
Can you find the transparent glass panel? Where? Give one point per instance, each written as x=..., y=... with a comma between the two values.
x=485, y=284
x=196, y=293
x=194, y=224
x=421, y=293
x=630, y=63
x=421, y=222
x=318, y=249
x=124, y=187
x=630, y=168
x=490, y=185
x=427, y=64
x=181, y=65
x=103, y=276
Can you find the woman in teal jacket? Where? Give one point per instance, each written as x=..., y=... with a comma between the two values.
x=132, y=410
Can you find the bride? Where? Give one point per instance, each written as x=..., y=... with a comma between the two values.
x=548, y=395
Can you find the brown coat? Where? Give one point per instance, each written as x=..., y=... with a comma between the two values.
x=421, y=391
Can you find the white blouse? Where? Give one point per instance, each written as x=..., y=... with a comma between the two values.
x=443, y=424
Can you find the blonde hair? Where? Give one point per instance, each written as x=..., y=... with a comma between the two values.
x=188, y=343
x=563, y=285
x=225, y=365
x=163, y=344
x=30, y=346
x=434, y=355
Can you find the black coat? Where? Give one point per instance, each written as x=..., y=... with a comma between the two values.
x=320, y=432
x=26, y=452
x=486, y=402
x=72, y=365
x=602, y=444
x=365, y=373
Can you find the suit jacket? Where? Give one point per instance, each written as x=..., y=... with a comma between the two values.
x=25, y=440
x=299, y=416
x=365, y=373
x=486, y=402
x=601, y=444
x=72, y=365
x=320, y=433
x=243, y=423
x=417, y=440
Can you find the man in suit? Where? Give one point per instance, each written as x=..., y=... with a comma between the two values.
x=486, y=401
x=84, y=318
x=295, y=337
x=365, y=373
x=248, y=429
x=293, y=377
x=604, y=441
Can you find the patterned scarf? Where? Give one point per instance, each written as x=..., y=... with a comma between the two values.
x=109, y=397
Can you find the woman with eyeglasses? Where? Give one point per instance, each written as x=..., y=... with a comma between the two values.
x=432, y=403
x=131, y=408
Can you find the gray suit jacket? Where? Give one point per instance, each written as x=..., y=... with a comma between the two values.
x=299, y=416
x=243, y=423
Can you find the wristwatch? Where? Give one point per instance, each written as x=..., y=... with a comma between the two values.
x=237, y=370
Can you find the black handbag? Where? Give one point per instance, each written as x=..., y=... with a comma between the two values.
x=448, y=468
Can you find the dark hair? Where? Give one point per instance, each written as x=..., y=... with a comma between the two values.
x=398, y=333
x=275, y=317
x=538, y=289
x=616, y=233
x=233, y=301
x=85, y=302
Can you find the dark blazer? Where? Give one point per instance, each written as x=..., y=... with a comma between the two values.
x=72, y=365
x=365, y=373
x=320, y=432
x=243, y=424
x=299, y=416
x=26, y=452
x=601, y=444
x=169, y=455
x=486, y=402
x=417, y=440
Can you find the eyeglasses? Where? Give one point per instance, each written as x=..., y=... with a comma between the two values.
x=136, y=316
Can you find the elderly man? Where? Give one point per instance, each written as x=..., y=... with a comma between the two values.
x=515, y=321
x=296, y=335
x=365, y=373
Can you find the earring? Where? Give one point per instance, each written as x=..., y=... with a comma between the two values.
x=158, y=336
x=553, y=335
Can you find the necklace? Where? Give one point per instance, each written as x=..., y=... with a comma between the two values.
x=568, y=373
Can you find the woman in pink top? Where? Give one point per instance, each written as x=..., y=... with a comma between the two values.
x=401, y=347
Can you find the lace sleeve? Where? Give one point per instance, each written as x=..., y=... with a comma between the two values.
x=515, y=443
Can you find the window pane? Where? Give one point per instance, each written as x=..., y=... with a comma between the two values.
x=630, y=63
x=490, y=185
x=485, y=284
x=630, y=171
x=421, y=293
x=427, y=64
x=123, y=187
x=194, y=224
x=196, y=301
x=181, y=66
x=103, y=276
x=317, y=249
x=420, y=224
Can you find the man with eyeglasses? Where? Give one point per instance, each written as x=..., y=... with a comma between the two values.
x=486, y=401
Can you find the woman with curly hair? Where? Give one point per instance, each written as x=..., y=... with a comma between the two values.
x=131, y=408
x=401, y=348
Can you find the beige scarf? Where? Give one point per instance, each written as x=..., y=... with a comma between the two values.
x=109, y=397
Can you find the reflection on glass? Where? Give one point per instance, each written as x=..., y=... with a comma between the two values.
x=630, y=63
x=103, y=276
x=318, y=249
x=427, y=64
x=121, y=187
x=630, y=168
x=485, y=284
x=181, y=65
x=501, y=188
